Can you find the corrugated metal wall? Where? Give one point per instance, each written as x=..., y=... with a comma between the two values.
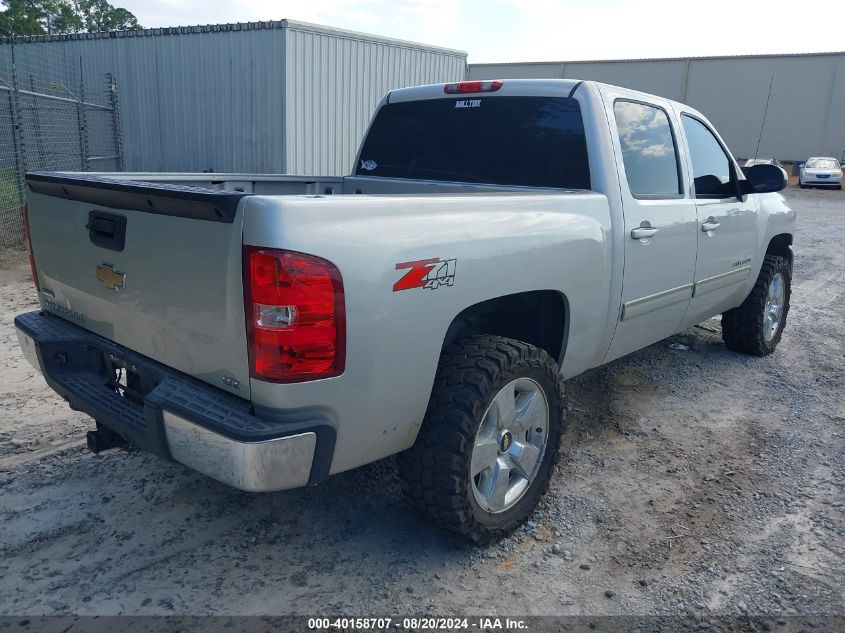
x=196, y=98
x=334, y=82
x=192, y=101
x=806, y=114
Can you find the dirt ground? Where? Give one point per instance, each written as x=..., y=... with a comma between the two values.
x=693, y=481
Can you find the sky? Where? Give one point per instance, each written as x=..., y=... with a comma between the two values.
x=542, y=30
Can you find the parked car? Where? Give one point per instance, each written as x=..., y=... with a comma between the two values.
x=494, y=239
x=820, y=171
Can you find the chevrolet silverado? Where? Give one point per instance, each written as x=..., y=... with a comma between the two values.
x=494, y=239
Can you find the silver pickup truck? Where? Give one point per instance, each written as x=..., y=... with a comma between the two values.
x=495, y=239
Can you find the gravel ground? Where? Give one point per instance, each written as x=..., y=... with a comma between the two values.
x=693, y=481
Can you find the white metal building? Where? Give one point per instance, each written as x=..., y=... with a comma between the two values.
x=806, y=112
x=275, y=97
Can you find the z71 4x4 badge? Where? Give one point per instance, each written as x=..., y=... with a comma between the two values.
x=426, y=273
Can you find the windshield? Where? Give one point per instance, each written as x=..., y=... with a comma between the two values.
x=523, y=141
x=823, y=163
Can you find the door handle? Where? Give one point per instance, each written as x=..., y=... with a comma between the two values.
x=710, y=224
x=644, y=231
x=107, y=230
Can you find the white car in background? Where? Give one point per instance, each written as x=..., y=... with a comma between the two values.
x=821, y=171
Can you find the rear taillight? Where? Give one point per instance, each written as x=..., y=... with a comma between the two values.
x=295, y=316
x=466, y=87
x=28, y=238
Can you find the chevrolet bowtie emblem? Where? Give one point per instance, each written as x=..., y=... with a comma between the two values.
x=111, y=279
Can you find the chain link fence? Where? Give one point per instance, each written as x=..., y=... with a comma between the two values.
x=54, y=118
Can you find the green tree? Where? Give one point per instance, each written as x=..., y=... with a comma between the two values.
x=61, y=17
x=36, y=17
x=94, y=15
x=21, y=17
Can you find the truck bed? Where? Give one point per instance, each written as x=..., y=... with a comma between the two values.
x=168, y=249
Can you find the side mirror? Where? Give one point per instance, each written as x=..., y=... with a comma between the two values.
x=765, y=179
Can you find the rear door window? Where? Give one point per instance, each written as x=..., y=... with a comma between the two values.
x=522, y=141
x=648, y=150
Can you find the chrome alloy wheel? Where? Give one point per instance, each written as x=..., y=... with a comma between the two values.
x=509, y=445
x=773, y=312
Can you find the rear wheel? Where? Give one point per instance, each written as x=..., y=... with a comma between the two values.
x=489, y=442
x=756, y=326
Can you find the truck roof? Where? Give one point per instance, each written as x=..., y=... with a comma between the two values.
x=518, y=87
x=510, y=87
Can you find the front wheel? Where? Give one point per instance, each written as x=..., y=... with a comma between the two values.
x=756, y=326
x=489, y=442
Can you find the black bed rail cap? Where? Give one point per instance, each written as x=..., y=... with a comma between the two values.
x=198, y=203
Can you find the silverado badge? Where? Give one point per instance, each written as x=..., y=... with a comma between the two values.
x=110, y=278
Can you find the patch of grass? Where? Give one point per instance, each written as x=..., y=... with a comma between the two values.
x=10, y=207
x=11, y=256
x=8, y=187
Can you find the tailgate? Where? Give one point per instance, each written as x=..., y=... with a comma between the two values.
x=153, y=267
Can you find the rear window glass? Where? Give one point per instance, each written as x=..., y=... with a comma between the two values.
x=523, y=141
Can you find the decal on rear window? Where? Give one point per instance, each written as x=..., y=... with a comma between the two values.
x=369, y=165
x=468, y=103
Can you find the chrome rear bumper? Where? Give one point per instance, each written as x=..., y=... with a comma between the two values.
x=276, y=464
x=176, y=416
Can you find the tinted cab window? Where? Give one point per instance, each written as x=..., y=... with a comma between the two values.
x=525, y=141
x=711, y=167
x=648, y=150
